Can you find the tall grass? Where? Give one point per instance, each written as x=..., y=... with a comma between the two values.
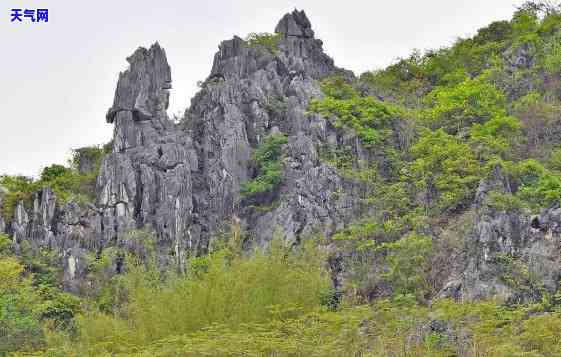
x=226, y=289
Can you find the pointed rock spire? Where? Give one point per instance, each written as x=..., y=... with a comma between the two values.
x=295, y=24
x=143, y=88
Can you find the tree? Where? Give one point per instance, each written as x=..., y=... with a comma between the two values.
x=472, y=101
x=540, y=120
x=408, y=261
x=496, y=136
x=444, y=169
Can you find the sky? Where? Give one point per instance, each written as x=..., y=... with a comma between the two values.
x=57, y=79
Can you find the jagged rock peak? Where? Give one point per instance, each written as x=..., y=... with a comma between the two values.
x=143, y=88
x=296, y=24
x=298, y=52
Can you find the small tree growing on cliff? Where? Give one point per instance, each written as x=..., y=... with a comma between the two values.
x=266, y=40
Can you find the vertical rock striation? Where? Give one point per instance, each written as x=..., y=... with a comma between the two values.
x=509, y=255
x=181, y=181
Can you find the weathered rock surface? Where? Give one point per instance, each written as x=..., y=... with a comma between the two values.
x=509, y=255
x=182, y=181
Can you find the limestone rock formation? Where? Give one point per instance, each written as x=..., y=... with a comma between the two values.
x=509, y=255
x=182, y=181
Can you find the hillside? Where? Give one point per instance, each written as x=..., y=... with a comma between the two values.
x=299, y=209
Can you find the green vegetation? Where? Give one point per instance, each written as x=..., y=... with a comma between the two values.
x=268, y=164
x=428, y=129
x=69, y=183
x=226, y=290
x=264, y=40
x=368, y=117
x=90, y=157
x=444, y=169
x=408, y=261
x=446, y=115
x=272, y=302
x=453, y=108
x=30, y=299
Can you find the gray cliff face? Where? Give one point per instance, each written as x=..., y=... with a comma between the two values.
x=147, y=181
x=251, y=93
x=509, y=255
x=181, y=181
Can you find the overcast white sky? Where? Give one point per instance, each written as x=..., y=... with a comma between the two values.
x=57, y=79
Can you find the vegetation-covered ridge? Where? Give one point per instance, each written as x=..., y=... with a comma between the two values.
x=73, y=182
x=426, y=133
x=447, y=119
x=276, y=302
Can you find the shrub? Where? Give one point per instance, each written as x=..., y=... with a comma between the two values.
x=408, y=261
x=368, y=117
x=265, y=40
x=554, y=161
x=444, y=169
x=338, y=87
x=542, y=194
x=496, y=32
x=20, y=328
x=227, y=290
x=88, y=159
x=539, y=120
x=496, y=136
x=19, y=188
x=505, y=202
x=267, y=160
x=73, y=183
x=457, y=107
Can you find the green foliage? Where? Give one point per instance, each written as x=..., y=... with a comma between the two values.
x=267, y=160
x=444, y=169
x=554, y=160
x=496, y=136
x=54, y=172
x=29, y=303
x=18, y=188
x=337, y=87
x=5, y=245
x=68, y=183
x=368, y=117
x=544, y=193
x=223, y=289
x=487, y=100
x=89, y=157
x=525, y=26
x=505, y=202
x=362, y=234
x=515, y=273
x=550, y=58
x=276, y=106
x=472, y=101
x=497, y=31
x=19, y=324
x=539, y=187
x=404, y=82
x=538, y=118
x=408, y=261
x=265, y=40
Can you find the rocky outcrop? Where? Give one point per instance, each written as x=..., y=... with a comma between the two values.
x=510, y=255
x=250, y=93
x=147, y=181
x=181, y=181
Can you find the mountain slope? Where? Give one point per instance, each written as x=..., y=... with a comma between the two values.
x=437, y=179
